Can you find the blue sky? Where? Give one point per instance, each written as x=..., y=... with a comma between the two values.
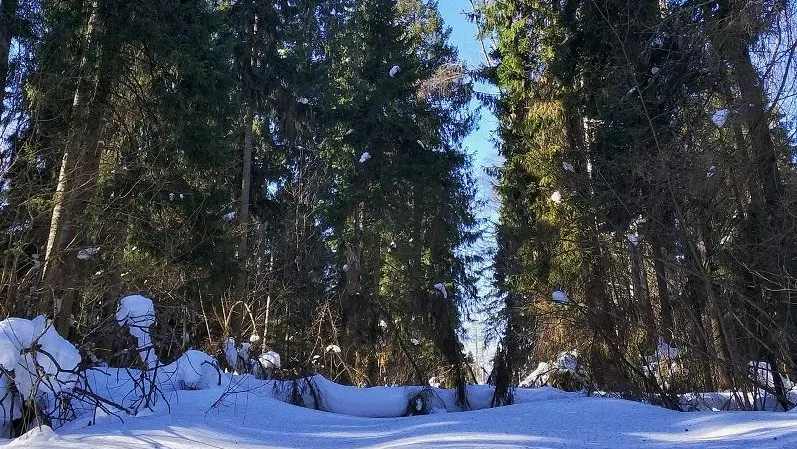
x=480, y=145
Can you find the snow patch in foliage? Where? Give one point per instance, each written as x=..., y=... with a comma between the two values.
x=442, y=289
x=303, y=100
x=556, y=197
x=560, y=297
x=86, y=253
x=720, y=117
x=364, y=157
x=711, y=170
x=394, y=70
x=655, y=70
x=568, y=166
x=333, y=348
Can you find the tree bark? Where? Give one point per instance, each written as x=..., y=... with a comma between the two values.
x=243, y=212
x=77, y=175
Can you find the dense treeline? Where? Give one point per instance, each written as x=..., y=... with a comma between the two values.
x=288, y=169
x=650, y=178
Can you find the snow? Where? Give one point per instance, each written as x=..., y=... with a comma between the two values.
x=394, y=70
x=556, y=197
x=230, y=352
x=41, y=363
x=538, y=377
x=415, y=341
x=559, y=297
x=138, y=313
x=350, y=132
x=633, y=238
x=193, y=370
x=442, y=289
x=421, y=144
x=545, y=418
x=568, y=166
x=711, y=171
x=655, y=70
x=17, y=331
x=720, y=117
x=303, y=100
x=364, y=157
x=271, y=360
x=333, y=348
x=86, y=253
x=383, y=324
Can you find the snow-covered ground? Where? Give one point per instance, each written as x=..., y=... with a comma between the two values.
x=249, y=417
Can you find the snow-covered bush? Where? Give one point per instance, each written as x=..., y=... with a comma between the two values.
x=241, y=360
x=565, y=373
x=138, y=314
x=38, y=365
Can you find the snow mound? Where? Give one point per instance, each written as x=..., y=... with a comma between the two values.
x=17, y=331
x=194, y=370
x=271, y=360
x=40, y=363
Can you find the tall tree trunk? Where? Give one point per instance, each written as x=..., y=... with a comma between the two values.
x=77, y=176
x=243, y=211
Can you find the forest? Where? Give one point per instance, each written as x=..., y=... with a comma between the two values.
x=289, y=177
